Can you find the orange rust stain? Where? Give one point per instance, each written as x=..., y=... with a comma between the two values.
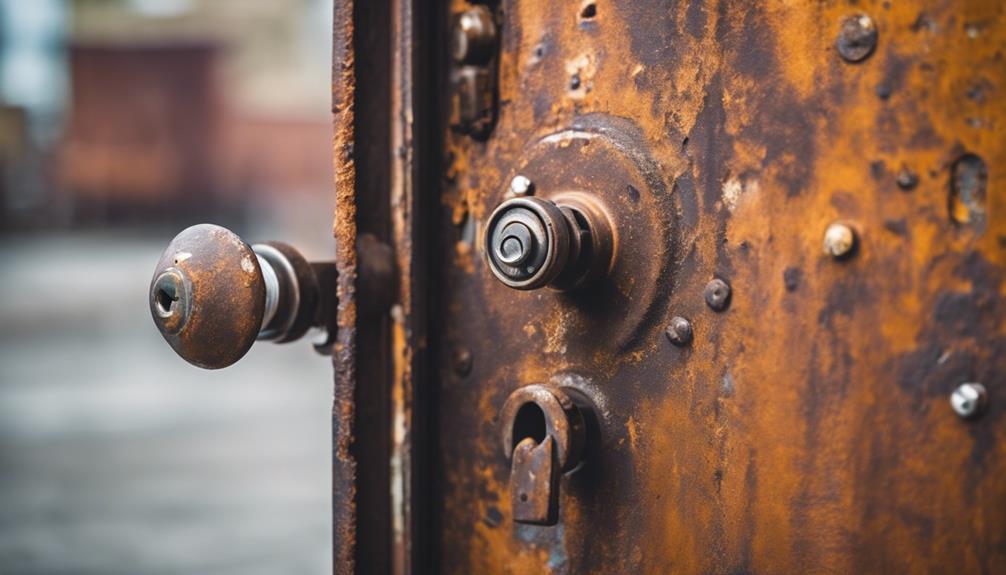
x=344, y=230
x=807, y=424
x=630, y=426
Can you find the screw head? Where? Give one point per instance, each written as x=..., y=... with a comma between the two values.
x=521, y=186
x=839, y=240
x=969, y=400
x=717, y=294
x=679, y=331
x=857, y=38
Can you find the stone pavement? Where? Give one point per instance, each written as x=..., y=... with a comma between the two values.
x=118, y=457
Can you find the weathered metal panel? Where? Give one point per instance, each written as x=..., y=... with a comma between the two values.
x=806, y=427
x=344, y=351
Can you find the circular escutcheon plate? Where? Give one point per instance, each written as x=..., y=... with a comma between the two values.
x=606, y=158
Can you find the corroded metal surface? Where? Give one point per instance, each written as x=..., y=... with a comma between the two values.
x=807, y=426
x=344, y=348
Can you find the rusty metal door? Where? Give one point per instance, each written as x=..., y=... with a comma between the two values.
x=697, y=286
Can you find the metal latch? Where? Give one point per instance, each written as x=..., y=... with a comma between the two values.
x=474, y=46
x=543, y=437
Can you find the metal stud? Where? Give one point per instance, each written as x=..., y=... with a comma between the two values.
x=839, y=240
x=679, y=331
x=857, y=39
x=969, y=400
x=717, y=294
x=521, y=186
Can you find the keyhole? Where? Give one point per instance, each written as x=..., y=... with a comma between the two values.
x=166, y=298
x=530, y=422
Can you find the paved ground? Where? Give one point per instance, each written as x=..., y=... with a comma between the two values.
x=118, y=457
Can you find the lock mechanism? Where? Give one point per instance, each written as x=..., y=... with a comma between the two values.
x=543, y=434
x=213, y=294
x=562, y=242
x=474, y=47
x=589, y=213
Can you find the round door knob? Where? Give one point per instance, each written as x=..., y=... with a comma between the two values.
x=561, y=243
x=213, y=295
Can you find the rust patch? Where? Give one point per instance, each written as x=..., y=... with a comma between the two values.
x=807, y=425
x=344, y=350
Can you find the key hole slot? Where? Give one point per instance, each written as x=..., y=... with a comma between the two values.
x=530, y=422
x=166, y=298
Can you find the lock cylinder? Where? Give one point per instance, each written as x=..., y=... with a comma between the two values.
x=563, y=242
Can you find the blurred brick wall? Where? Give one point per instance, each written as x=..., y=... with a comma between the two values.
x=152, y=134
x=144, y=129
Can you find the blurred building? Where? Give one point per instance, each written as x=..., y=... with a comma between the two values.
x=33, y=86
x=161, y=109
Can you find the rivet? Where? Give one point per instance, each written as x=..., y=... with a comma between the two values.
x=907, y=179
x=521, y=186
x=969, y=400
x=839, y=240
x=717, y=294
x=462, y=361
x=679, y=331
x=857, y=39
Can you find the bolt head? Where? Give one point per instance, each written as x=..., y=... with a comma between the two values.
x=839, y=240
x=857, y=38
x=521, y=186
x=717, y=294
x=679, y=331
x=968, y=400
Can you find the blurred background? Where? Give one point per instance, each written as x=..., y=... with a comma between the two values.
x=121, y=122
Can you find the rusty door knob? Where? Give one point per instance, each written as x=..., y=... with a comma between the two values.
x=213, y=295
x=561, y=242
